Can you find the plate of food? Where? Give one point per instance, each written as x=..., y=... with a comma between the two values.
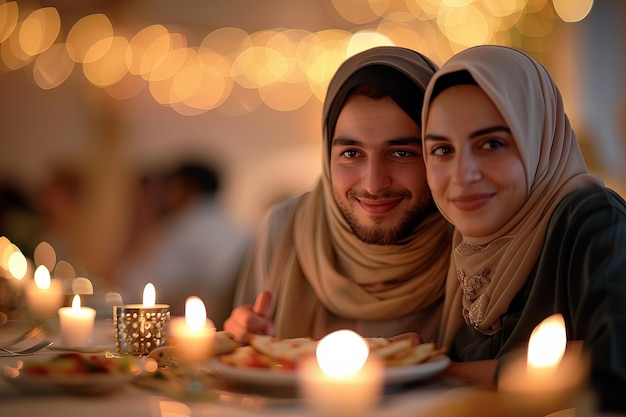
x=72, y=373
x=273, y=362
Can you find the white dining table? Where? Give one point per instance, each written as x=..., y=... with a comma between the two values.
x=137, y=400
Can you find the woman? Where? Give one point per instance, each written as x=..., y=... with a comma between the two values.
x=536, y=234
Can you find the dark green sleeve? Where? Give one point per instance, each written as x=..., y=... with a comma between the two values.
x=580, y=273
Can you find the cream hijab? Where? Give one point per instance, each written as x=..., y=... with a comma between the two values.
x=321, y=252
x=492, y=270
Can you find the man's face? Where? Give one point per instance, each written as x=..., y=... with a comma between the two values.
x=377, y=170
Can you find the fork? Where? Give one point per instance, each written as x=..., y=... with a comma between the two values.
x=28, y=351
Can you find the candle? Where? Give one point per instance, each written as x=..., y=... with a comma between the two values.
x=194, y=334
x=76, y=324
x=141, y=328
x=551, y=376
x=341, y=379
x=44, y=295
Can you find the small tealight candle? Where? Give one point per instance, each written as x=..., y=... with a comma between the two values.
x=76, y=324
x=549, y=378
x=141, y=328
x=342, y=379
x=44, y=295
x=193, y=335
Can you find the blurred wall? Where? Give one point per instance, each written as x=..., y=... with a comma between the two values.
x=264, y=154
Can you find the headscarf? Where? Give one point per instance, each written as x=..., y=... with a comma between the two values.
x=339, y=267
x=485, y=274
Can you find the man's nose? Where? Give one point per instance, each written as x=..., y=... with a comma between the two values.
x=376, y=176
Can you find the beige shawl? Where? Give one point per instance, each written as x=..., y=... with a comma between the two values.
x=322, y=273
x=492, y=270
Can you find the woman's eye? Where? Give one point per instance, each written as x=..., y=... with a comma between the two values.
x=440, y=150
x=493, y=144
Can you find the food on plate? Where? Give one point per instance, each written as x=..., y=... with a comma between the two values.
x=224, y=342
x=76, y=364
x=286, y=354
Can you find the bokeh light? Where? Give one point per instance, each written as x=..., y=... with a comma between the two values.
x=234, y=71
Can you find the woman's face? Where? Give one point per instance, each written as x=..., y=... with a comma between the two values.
x=473, y=165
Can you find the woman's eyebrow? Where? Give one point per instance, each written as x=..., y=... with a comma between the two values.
x=491, y=129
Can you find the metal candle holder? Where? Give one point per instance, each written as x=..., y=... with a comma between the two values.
x=140, y=329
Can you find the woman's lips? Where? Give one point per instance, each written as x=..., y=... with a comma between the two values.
x=471, y=202
x=379, y=207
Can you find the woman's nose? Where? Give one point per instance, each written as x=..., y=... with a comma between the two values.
x=466, y=168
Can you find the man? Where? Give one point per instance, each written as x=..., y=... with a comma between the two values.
x=366, y=249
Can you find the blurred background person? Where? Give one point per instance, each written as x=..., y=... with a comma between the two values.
x=193, y=247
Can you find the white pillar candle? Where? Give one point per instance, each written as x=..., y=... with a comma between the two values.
x=548, y=378
x=342, y=379
x=44, y=295
x=193, y=335
x=76, y=324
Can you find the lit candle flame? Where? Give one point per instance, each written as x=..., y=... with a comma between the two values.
x=76, y=302
x=195, y=313
x=342, y=353
x=149, y=295
x=547, y=345
x=42, y=277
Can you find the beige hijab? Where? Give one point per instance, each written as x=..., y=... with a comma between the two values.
x=326, y=274
x=485, y=274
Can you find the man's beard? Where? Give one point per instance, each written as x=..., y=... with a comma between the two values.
x=378, y=235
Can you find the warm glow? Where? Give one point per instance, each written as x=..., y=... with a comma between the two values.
x=64, y=269
x=86, y=33
x=13, y=56
x=195, y=313
x=366, y=39
x=359, y=11
x=572, y=10
x=106, y=68
x=18, y=265
x=342, y=353
x=45, y=255
x=76, y=302
x=281, y=67
x=9, y=13
x=6, y=250
x=149, y=295
x=42, y=277
x=547, y=344
x=138, y=46
x=464, y=25
x=53, y=66
x=39, y=30
x=82, y=285
x=156, y=63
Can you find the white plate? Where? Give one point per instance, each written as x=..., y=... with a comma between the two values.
x=87, y=384
x=269, y=378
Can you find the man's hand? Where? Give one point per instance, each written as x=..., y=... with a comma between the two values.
x=416, y=339
x=247, y=319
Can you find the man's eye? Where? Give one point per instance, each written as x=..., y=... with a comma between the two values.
x=350, y=153
x=402, y=153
